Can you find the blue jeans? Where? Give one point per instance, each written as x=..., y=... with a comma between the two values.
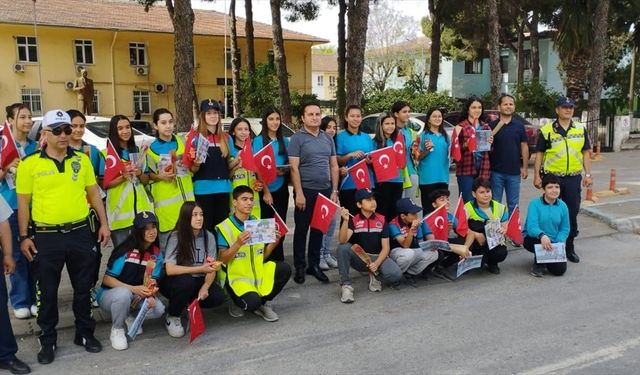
x=327, y=239
x=510, y=183
x=465, y=184
x=23, y=280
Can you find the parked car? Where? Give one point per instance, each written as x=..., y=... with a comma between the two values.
x=144, y=127
x=256, y=126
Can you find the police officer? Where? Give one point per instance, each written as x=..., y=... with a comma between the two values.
x=56, y=183
x=563, y=150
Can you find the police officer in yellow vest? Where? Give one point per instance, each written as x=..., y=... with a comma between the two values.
x=56, y=183
x=563, y=150
x=250, y=281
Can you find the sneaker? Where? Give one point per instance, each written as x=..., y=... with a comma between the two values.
x=323, y=264
x=493, y=268
x=235, y=311
x=347, y=294
x=118, y=339
x=34, y=310
x=410, y=280
x=442, y=273
x=374, y=284
x=129, y=321
x=537, y=269
x=174, y=326
x=22, y=313
x=94, y=301
x=267, y=313
x=331, y=261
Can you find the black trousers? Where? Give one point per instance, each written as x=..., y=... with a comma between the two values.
x=281, y=204
x=425, y=192
x=181, y=290
x=557, y=269
x=77, y=250
x=490, y=257
x=215, y=208
x=252, y=300
x=448, y=258
x=570, y=193
x=8, y=345
x=388, y=193
x=302, y=219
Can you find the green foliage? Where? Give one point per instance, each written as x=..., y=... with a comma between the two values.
x=418, y=101
x=535, y=99
x=453, y=46
x=325, y=49
x=259, y=90
x=299, y=100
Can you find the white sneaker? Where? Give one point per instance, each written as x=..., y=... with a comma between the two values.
x=174, y=326
x=374, y=284
x=22, y=313
x=118, y=339
x=347, y=294
x=266, y=313
x=34, y=310
x=323, y=264
x=234, y=310
x=129, y=321
x=331, y=261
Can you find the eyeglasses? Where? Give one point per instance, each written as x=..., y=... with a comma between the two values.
x=57, y=131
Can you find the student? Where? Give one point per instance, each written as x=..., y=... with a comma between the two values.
x=433, y=166
x=171, y=183
x=369, y=230
x=472, y=165
x=240, y=132
x=481, y=209
x=547, y=223
x=132, y=273
x=275, y=194
x=78, y=122
x=406, y=231
x=328, y=261
x=191, y=266
x=23, y=283
x=391, y=190
x=125, y=194
x=250, y=282
x=401, y=113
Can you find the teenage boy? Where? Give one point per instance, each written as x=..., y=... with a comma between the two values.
x=251, y=282
x=405, y=231
x=369, y=230
x=547, y=223
x=481, y=209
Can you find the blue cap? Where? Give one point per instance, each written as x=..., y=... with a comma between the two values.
x=209, y=104
x=143, y=218
x=565, y=101
x=406, y=205
x=363, y=194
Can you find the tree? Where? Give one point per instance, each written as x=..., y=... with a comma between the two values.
x=260, y=89
x=440, y=12
x=280, y=61
x=600, y=24
x=493, y=45
x=341, y=95
x=235, y=60
x=248, y=30
x=358, y=16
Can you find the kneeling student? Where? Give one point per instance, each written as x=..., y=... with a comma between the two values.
x=369, y=230
x=406, y=232
x=132, y=270
x=547, y=223
x=250, y=281
x=481, y=209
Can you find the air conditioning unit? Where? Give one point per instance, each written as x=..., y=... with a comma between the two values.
x=142, y=70
x=160, y=88
x=18, y=68
x=68, y=85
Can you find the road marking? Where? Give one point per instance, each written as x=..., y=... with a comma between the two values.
x=585, y=360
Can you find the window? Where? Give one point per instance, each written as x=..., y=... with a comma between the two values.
x=31, y=97
x=96, y=103
x=84, y=51
x=271, y=59
x=137, y=54
x=228, y=56
x=473, y=67
x=27, y=49
x=332, y=81
x=504, y=64
x=141, y=101
x=320, y=80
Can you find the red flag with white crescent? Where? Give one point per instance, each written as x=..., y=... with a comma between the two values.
x=9, y=149
x=113, y=165
x=246, y=157
x=384, y=164
x=196, y=320
x=461, y=214
x=456, y=153
x=281, y=226
x=323, y=212
x=472, y=143
x=265, y=164
x=514, y=228
x=399, y=147
x=187, y=161
x=359, y=172
x=437, y=222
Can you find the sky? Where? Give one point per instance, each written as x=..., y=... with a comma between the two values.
x=326, y=24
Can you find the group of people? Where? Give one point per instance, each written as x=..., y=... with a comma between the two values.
x=176, y=218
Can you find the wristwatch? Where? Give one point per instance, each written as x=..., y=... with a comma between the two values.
x=22, y=238
x=588, y=175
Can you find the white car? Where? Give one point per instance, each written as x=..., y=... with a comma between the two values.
x=96, y=131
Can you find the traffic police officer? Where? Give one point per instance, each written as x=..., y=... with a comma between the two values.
x=563, y=150
x=56, y=183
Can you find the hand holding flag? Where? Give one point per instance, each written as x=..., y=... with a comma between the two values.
x=9, y=149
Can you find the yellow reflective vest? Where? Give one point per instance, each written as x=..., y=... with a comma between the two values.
x=247, y=271
x=497, y=211
x=563, y=156
x=242, y=176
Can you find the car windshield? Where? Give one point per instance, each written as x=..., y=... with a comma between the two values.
x=101, y=129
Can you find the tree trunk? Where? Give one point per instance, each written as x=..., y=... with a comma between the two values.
x=356, y=39
x=597, y=67
x=535, y=47
x=248, y=30
x=576, y=71
x=494, y=48
x=280, y=61
x=182, y=18
x=235, y=60
x=436, y=33
x=341, y=98
x=520, y=52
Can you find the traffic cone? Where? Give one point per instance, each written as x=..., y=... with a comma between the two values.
x=589, y=196
x=612, y=180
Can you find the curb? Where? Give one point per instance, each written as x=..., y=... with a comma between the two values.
x=628, y=224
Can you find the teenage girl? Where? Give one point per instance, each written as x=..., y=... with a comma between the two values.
x=240, y=132
x=433, y=160
x=389, y=191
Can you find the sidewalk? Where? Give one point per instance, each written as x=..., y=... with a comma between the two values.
x=608, y=215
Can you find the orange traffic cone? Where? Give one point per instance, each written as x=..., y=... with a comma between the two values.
x=612, y=180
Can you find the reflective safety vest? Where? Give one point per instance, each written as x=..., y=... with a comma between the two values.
x=168, y=197
x=245, y=177
x=563, y=156
x=247, y=271
x=497, y=211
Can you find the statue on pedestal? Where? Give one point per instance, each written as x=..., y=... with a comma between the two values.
x=84, y=89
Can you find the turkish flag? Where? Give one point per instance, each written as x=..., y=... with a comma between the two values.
x=196, y=321
x=399, y=147
x=472, y=143
x=323, y=212
x=514, y=228
x=265, y=164
x=437, y=222
x=9, y=149
x=113, y=165
x=384, y=164
x=456, y=154
x=246, y=157
x=359, y=172
x=461, y=214
x=281, y=226
x=188, y=146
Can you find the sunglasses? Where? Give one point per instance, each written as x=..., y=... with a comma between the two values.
x=57, y=131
